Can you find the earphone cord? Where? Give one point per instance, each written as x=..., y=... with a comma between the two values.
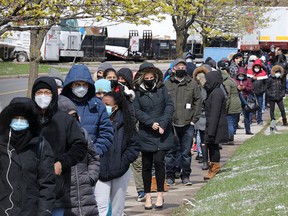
x=7, y=174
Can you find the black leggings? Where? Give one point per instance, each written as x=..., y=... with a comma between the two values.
x=214, y=153
x=147, y=162
x=281, y=108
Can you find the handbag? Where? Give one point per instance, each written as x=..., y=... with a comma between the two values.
x=252, y=104
x=176, y=138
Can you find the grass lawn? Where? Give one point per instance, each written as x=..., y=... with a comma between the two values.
x=253, y=182
x=15, y=68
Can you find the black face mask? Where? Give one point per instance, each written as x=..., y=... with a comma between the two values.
x=124, y=83
x=149, y=83
x=180, y=73
x=114, y=83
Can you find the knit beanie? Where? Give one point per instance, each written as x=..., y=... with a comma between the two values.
x=104, y=65
x=102, y=85
x=41, y=85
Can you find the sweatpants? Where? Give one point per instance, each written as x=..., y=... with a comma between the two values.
x=113, y=191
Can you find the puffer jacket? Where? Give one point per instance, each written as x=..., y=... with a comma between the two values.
x=233, y=104
x=122, y=153
x=215, y=109
x=259, y=79
x=33, y=181
x=276, y=86
x=187, y=100
x=92, y=111
x=66, y=140
x=154, y=106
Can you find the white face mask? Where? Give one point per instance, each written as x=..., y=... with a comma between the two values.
x=256, y=69
x=43, y=101
x=80, y=91
x=189, y=60
x=277, y=75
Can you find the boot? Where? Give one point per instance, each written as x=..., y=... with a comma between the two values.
x=214, y=168
x=204, y=150
x=153, y=184
x=284, y=122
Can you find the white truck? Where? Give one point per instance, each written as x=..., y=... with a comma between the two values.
x=61, y=43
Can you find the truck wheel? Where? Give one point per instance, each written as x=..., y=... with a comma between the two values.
x=22, y=57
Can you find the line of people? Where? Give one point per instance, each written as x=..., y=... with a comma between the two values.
x=68, y=150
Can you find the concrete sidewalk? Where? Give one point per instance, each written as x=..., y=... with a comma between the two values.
x=176, y=194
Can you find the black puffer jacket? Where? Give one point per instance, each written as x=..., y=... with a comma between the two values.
x=66, y=140
x=215, y=109
x=121, y=154
x=276, y=86
x=154, y=106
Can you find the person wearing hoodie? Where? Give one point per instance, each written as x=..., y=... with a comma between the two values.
x=259, y=79
x=114, y=165
x=125, y=78
x=79, y=87
x=83, y=202
x=276, y=91
x=154, y=109
x=200, y=126
x=216, y=121
x=233, y=103
x=64, y=136
x=245, y=87
x=27, y=162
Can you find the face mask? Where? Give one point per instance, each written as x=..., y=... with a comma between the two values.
x=114, y=83
x=43, y=101
x=149, y=83
x=240, y=77
x=80, y=91
x=189, y=60
x=256, y=70
x=109, y=110
x=272, y=50
x=277, y=75
x=180, y=73
x=19, y=124
x=124, y=83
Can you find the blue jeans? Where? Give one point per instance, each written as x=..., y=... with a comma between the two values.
x=259, y=112
x=232, y=120
x=185, y=135
x=58, y=212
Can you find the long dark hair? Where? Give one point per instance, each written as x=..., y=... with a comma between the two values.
x=123, y=105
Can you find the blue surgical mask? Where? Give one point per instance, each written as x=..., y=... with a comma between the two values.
x=19, y=124
x=277, y=75
x=109, y=110
x=240, y=77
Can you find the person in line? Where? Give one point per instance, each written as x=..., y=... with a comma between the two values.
x=245, y=87
x=27, y=162
x=154, y=109
x=64, y=136
x=111, y=75
x=84, y=175
x=125, y=79
x=276, y=91
x=114, y=165
x=100, y=70
x=199, y=76
x=259, y=79
x=216, y=121
x=233, y=103
x=79, y=87
x=235, y=63
x=187, y=100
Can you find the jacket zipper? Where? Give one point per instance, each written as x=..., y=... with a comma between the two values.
x=78, y=189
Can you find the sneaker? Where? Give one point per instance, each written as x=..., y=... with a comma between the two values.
x=260, y=123
x=170, y=181
x=141, y=196
x=186, y=182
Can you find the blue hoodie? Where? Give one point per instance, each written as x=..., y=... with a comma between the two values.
x=92, y=112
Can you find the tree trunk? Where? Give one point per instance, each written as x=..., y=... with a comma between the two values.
x=36, y=38
x=179, y=43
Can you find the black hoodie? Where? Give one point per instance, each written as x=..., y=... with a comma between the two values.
x=65, y=137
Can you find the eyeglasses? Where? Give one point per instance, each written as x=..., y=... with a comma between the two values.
x=46, y=93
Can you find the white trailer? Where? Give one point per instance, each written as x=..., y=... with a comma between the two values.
x=62, y=42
